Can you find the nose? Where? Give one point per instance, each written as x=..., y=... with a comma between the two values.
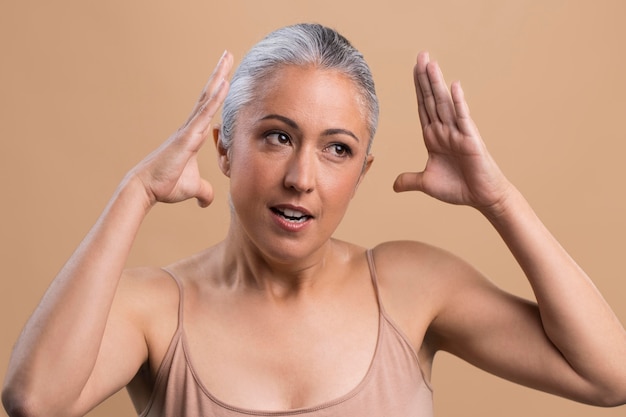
x=301, y=172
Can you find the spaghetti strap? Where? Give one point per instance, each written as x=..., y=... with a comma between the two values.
x=372, y=267
x=388, y=319
x=164, y=369
x=393, y=385
x=180, y=298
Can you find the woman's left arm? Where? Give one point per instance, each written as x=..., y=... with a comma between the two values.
x=579, y=326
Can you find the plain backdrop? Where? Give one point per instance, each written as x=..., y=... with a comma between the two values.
x=88, y=88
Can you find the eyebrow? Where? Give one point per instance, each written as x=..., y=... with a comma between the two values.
x=294, y=125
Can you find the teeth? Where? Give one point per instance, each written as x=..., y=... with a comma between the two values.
x=292, y=213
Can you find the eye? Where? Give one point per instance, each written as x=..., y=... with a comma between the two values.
x=278, y=138
x=340, y=150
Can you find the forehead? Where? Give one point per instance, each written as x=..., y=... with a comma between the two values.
x=321, y=97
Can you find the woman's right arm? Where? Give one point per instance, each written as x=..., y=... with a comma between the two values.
x=79, y=346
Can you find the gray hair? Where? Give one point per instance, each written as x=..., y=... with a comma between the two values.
x=302, y=45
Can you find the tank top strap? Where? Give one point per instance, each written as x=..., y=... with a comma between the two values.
x=179, y=284
x=372, y=266
x=164, y=371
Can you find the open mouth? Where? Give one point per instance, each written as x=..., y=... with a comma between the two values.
x=291, y=215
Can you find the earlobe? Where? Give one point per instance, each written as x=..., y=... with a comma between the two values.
x=223, y=159
x=369, y=160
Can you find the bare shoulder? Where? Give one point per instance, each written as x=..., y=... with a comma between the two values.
x=408, y=252
x=149, y=298
x=147, y=290
x=417, y=281
x=412, y=263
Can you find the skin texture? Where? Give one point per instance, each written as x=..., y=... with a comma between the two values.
x=291, y=156
x=273, y=280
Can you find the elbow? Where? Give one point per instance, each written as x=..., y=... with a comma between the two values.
x=20, y=403
x=16, y=404
x=609, y=397
x=612, y=401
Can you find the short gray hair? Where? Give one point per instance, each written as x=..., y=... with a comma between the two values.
x=302, y=45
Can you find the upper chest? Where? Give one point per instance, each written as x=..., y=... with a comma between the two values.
x=256, y=355
x=261, y=356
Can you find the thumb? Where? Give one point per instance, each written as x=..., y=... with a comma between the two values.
x=204, y=194
x=408, y=181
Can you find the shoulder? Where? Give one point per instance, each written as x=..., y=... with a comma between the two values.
x=147, y=288
x=412, y=262
x=151, y=286
x=407, y=251
x=417, y=281
x=418, y=269
x=148, y=297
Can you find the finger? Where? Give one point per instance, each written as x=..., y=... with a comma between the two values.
x=201, y=120
x=219, y=72
x=464, y=120
x=443, y=101
x=214, y=83
x=408, y=181
x=422, y=83
x=421, y=106
x=204, y=196
x=193, y=134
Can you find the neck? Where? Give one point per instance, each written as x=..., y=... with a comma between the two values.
x=279, y=275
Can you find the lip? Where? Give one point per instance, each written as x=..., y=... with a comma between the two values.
x=291, y=226
x=283, y=207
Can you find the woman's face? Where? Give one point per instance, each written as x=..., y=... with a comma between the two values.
x=298, y=154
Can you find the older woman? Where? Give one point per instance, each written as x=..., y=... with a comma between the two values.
x=280, y=318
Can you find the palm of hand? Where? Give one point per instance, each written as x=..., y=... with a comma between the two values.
x=176, y=176
x=459, y=169
x=170, y=174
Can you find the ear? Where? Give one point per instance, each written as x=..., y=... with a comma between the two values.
x=369, y=160
x=223, y=159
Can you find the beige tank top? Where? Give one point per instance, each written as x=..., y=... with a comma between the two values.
x=393, y=386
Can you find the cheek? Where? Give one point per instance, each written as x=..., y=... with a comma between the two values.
x=250, y=173
x=339, y=187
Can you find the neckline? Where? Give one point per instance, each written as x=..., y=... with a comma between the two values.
x=296, y=411
x=326, y=404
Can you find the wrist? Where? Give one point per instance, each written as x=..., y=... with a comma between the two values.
x=133, y=188
x=509, y=204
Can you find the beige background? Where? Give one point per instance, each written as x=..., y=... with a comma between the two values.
x=87, y=88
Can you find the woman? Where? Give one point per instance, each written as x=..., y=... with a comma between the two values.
x=279, y=318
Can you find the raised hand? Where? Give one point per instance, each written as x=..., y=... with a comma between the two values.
x=170, y=173
x=459, y=169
